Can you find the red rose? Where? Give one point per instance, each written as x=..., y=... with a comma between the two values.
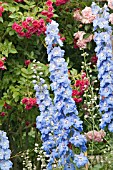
x=2, y=114
x=49, y=3
x=1, y=63
x=25, y=100
x=77, y=100
x=17, y=27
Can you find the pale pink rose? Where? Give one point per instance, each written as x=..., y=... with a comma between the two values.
x=97, y=136
x=110, y=4
x=88, y=21
x=80, y=41
x=86, y=12
x=87, y=16
x=111, y=18
x=81, y=44
x=79, y=35
x=77, y=15
x=103, y=133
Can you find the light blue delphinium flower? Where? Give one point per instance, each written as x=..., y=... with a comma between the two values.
x=58, y=121
x=110, y=127
x=80, y=160
x=104, y=63
x=5, y=152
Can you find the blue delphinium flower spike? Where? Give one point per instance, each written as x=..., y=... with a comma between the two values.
x=104, y=53
x=58, y=122
x=5, y=152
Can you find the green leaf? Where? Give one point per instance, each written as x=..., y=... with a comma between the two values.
x=55, y=16
x=86, y=35
x=12, y=16
x=1, y=19
x=97, y=167
x=1, y=105
x=87, y=27
x=11, y=32
x=13, y=51
x=69, y=25
x=12, y=9
x=24, y=71
x=5, y=52
x=16, y=96
x=89, y=45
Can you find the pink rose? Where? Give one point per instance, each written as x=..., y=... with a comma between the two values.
x=49, y=3
x=21, y=34
x=87, y=12
x=24, y=24
x=111, y=18
x=110, y=4
x=79, y=35
x=81, y=43
x=61, y=2
x=29, y=19
x=77, y=15
x=17, y=27
x=97, y=136
x=88, y=17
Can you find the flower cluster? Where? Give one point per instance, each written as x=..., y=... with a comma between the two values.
x=1, y=10
x=79, y=87
x=5, y=152
x=104, y=64
x=49, y=12
x=96, y=136
x=61, y=2
x=80, y=41
x=85, y=16
x=29, y=27
x=29, y=103
x=59, y=123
